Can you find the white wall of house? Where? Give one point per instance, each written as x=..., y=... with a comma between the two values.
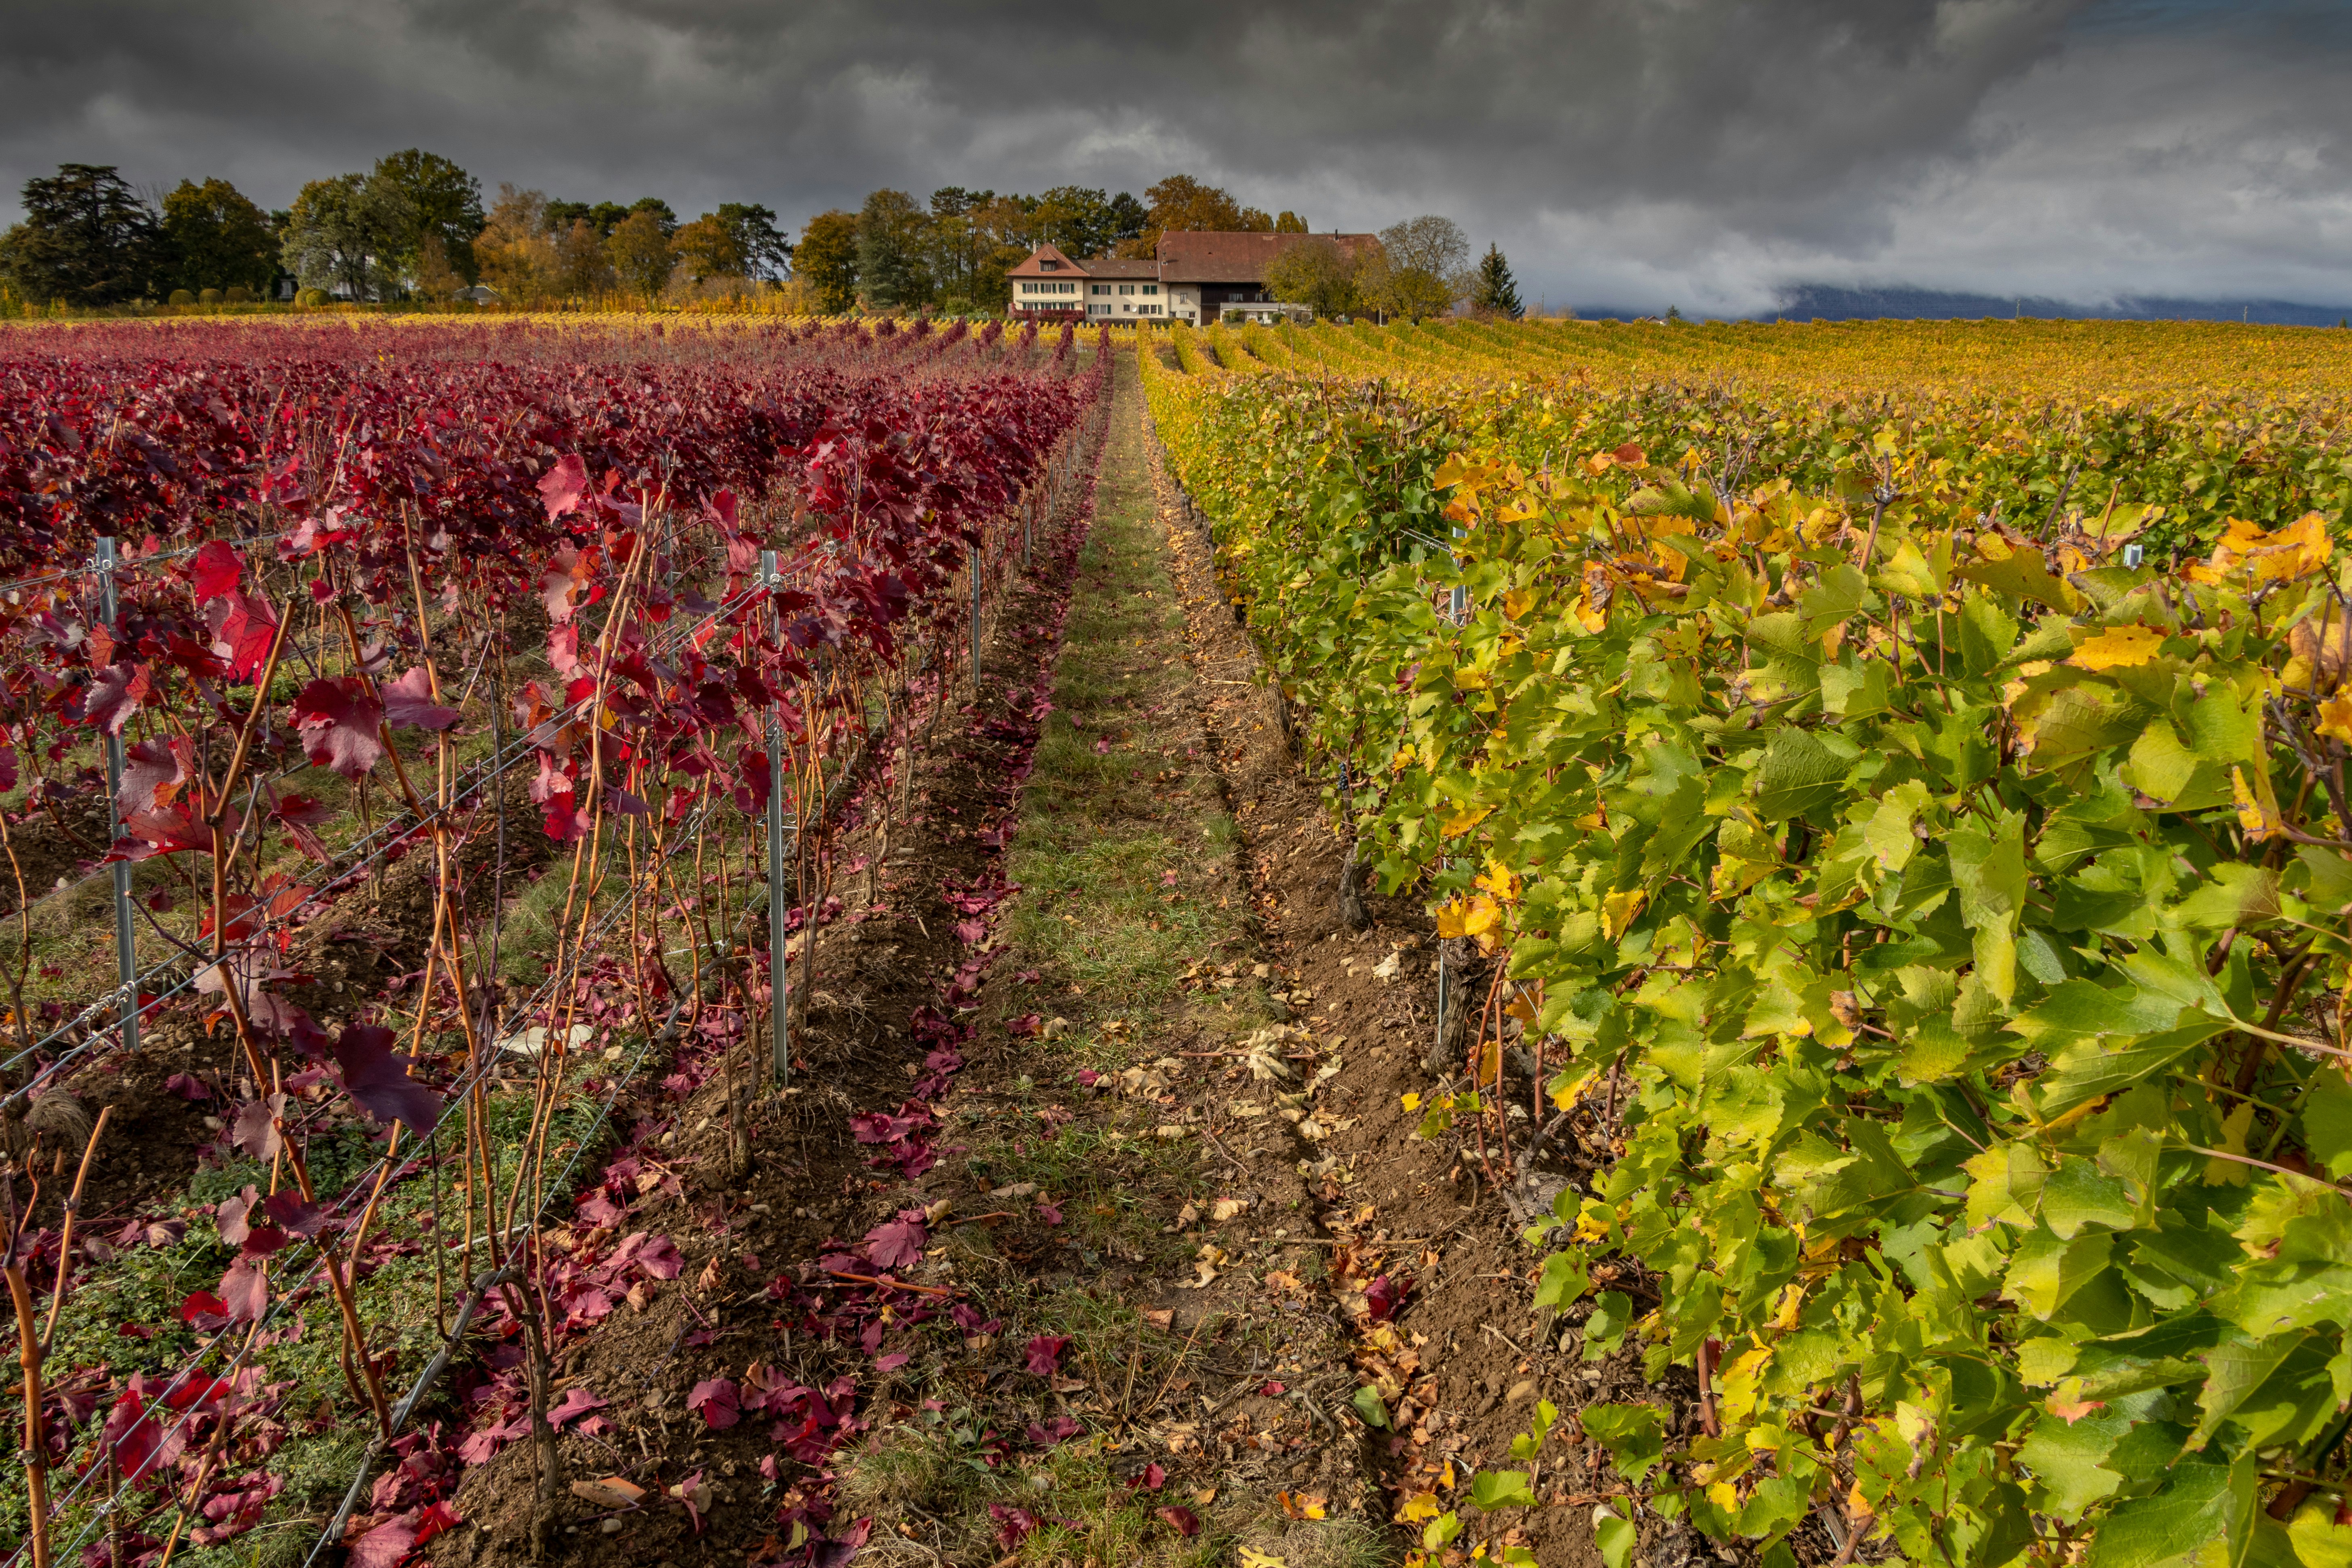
x=1048, y=293
x=1125, y=298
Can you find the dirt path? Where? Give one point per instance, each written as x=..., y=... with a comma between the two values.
x=1106, y=1083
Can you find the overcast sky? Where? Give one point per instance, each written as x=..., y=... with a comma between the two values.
x=1640, y=153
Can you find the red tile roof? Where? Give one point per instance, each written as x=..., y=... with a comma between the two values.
x=1204, y=258
x=1190, y=258
x=1097, y=266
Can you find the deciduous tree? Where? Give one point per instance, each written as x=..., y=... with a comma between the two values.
x=419, y=195
x=1423, y=268
x=215, y=237
x=1185, y=204
x=339, y=236
x=581, y=262
x=828, y=257
x=1315, y=273
x=517, y=248
x=641, y=255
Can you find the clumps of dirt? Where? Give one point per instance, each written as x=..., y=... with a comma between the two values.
x=712, y=1397
x=1455, y=1347
x=159, y=1118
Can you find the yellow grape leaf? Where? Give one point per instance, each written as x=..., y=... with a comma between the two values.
x=1517, y=510
x=1253, y=1558
x=1725, y=1495
x=1450, y=917
x=2258, y=811
x=1449, y=472
x=1567, y=1094
x=1740, y=1382
x=1484, y=915
x=1490, y=1062
x=1499, y=880
x=1793, y=1306
x=2018, y=688
x=2220, y=1172
x=1418, y=1507
x=2295, y=551
x=1518, y=601
x=2321, y=650
x=2117, y=648
x=1466, y=819
x=1411, y=1101
x=1618, y=910
x=2336, y=718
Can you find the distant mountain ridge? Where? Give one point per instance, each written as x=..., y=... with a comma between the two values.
x=1808, y=300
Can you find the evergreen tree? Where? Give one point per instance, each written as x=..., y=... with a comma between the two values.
x=1496, y=289
x=87, y=239
x=893, y=270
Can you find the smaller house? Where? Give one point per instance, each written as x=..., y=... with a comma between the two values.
x=1049, y=284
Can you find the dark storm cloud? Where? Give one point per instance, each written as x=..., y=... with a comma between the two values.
x=1707, y=151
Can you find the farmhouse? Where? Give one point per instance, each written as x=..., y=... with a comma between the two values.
x=1196, y=277
x=1049, y=283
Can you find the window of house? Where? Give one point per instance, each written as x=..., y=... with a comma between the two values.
x=1152, y=287
x=1047, y=266
x=1127, y=288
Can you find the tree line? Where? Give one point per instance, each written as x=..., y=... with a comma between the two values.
x=416, y=227
x=1418, y=267
x=413, y=227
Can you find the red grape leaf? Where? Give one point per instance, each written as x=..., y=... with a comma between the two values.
x=204, y=1311
x=715, y=1400
x=217, y=569
x=152, y=772
x=576, y=1402
x=113, y=695
x=408, y=703
x=256, y=1130
x=377, y=1077
x=897, y=1245
x=1045, y=1356
x=244, y=627
x=245, y=1290
x=564, y=485
x=385, y=1546
x=339, y=722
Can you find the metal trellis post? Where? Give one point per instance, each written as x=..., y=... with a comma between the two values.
x=779, y=967
x=126, y=957
x=975, y=623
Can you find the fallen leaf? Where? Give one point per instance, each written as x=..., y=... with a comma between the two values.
x=612, y=1492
